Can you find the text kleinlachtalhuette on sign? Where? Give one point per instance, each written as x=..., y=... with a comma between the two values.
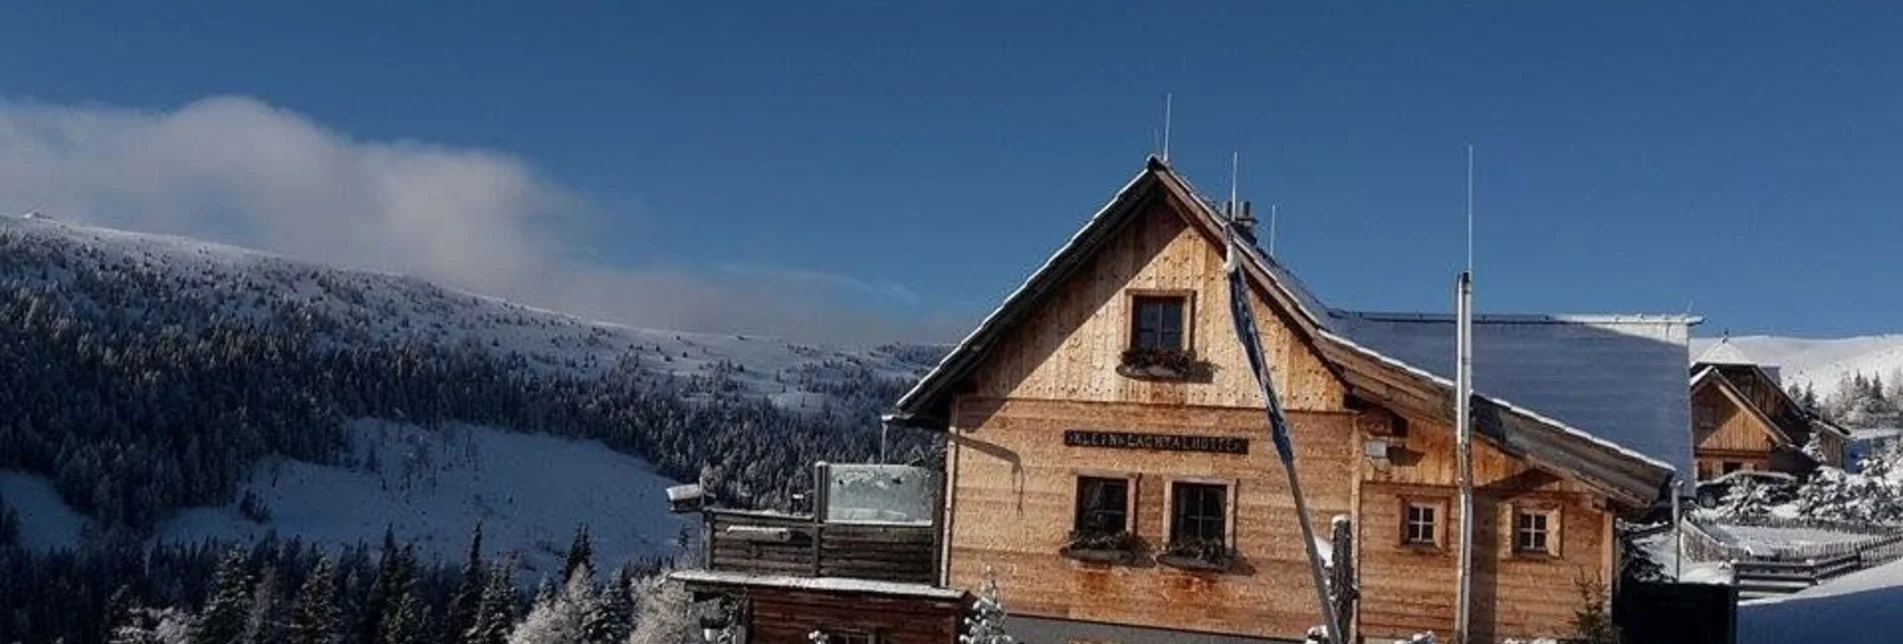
x=1161, y=442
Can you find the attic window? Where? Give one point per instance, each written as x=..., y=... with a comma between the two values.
x=1158, y=321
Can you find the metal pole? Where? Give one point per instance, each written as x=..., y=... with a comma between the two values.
x=1678, y=538
x=1463, y=430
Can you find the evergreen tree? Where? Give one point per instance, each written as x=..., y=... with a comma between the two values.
x=496, y=615
x=1592, y=622
x=409, y=622
x=467, y=602
x=662, y=611
x=986, y=623
x=315, y=618
x=617, y=600
x=264, y=624
x=396, y=573
x=581, y=554
x=225, y=614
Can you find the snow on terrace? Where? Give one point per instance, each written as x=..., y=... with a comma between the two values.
x=1619, y=378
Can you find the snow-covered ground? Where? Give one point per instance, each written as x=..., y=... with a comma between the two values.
x=46, y=522
x=431, y=486
x=1864, y=607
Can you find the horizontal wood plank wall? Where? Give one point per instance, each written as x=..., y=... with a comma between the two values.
x=1410, y=589
x=1015, y=492
x=1069, y=349
x=788, y=617
x=890, y=553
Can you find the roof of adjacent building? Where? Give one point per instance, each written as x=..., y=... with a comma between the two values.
x=1621, y=378
x=1602, y=396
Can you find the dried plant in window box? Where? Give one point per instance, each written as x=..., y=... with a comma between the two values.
x=1198, y=554
x=1104, y=547
x=1161, y=364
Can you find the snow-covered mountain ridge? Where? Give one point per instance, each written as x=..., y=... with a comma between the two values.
x=1821, y=364
x=252, y=285
x=156, y=376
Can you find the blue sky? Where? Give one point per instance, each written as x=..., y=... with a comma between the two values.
x=913, y=163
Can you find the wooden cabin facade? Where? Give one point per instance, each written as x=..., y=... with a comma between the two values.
x=1742, y=420
x=1108, y=457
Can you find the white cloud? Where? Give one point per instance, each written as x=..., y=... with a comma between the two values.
x=238, y=170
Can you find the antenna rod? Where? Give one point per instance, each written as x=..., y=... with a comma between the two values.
x=1271, y=230
x=1235, y=207
x=1169, y=99
x=1470, y=209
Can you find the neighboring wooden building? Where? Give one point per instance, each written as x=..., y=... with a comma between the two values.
x=1108, y=456
x=857, y=571
x=1743, y=420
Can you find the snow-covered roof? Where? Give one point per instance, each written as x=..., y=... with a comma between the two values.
x=1723, y=352
x=827, y=584
x=1621, y=378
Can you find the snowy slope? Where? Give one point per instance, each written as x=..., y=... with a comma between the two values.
x=400, y=308
x=46, y=522
x=1819, y=363
x=431, y=486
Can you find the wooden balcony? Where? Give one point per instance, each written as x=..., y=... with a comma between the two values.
x=800, y=546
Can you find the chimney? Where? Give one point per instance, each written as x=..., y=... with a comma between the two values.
x=1243, y=219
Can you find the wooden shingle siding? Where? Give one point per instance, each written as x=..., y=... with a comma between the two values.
x=1069, y=349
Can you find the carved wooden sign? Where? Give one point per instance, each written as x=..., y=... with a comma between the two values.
x=1160, y=442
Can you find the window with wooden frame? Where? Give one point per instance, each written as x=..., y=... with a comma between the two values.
x=1536, y=531
x=1421, y=521
x=1159, y=322
x=1199, y=512
x=1103, y=506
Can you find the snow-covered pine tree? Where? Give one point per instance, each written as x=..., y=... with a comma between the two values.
x=467, y=600
x=581, y=554
x=223, y=620
x=392, y=577
x=265, y=623
x=496, y=615
x=153, y=626
x=617, y=598
x=986, y=623
x=550, y=621
x=661, y=610
x=314, y=618
x=409, y=622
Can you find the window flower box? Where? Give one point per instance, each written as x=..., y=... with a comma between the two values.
x=1106, y=548
x=1161, y=364
x=1193, y=554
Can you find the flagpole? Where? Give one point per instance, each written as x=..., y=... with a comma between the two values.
x=1336, y=631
